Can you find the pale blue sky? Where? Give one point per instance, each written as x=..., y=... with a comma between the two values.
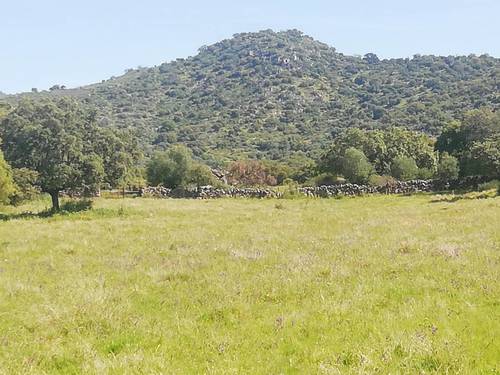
x=72, y=42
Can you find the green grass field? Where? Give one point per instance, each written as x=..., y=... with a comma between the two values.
x=368, y=285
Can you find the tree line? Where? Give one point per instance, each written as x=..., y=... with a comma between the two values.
x=53, y=146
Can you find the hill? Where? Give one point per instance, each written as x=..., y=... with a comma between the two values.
x=284, y=95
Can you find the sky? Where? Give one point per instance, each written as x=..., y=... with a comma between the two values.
x=74, y=43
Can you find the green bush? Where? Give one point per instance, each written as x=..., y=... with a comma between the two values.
x=494, y=184
x=7, y=187
x=175, y=168
x=425, y=174
x=355, y=166
x=404, y=168
x=448, y=168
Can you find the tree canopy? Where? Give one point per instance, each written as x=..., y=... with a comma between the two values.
x=251, y=173
x=404, y=168
x=176, y=168
x=448, y=168
x=7, y=186
x=61, y=141
x=475, y=142
x=381, y=148
x=355, y=166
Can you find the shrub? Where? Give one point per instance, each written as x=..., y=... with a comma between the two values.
x=448, y=168
x=425, y=174
x=7, y=187
x=494, y=184
x=404, y=168
x=176, y=168
x=170, y=168
x=483, y=158
x=355, y=166
x=201, y=175
x=250, y=173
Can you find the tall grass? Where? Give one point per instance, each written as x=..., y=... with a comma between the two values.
x=378, y=284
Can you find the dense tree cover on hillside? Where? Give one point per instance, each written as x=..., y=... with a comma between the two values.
x=4, y=109
x=465, y=148
x=62, y=143
x=283, y=95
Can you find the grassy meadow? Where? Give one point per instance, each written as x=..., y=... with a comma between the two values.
x=371, y=285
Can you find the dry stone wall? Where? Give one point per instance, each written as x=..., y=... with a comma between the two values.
x=399, y=187
x=406, y=187
x=209, y=192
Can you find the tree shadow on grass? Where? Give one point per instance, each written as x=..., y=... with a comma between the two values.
x=67, y=207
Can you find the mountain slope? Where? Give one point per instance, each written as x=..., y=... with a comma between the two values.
x=284, y=95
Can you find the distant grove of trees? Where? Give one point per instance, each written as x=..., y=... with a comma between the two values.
x=465, y=148
x=52, y=146
x=358, y=154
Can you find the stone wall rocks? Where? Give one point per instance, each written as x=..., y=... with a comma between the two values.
x=209, y=192
x=399, y=187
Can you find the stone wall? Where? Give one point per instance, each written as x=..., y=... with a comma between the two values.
x=155, y=192
x=209, y=192
x=406, y=187
x=399, y=187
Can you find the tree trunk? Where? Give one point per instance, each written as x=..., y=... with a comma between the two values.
x=55, y=200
